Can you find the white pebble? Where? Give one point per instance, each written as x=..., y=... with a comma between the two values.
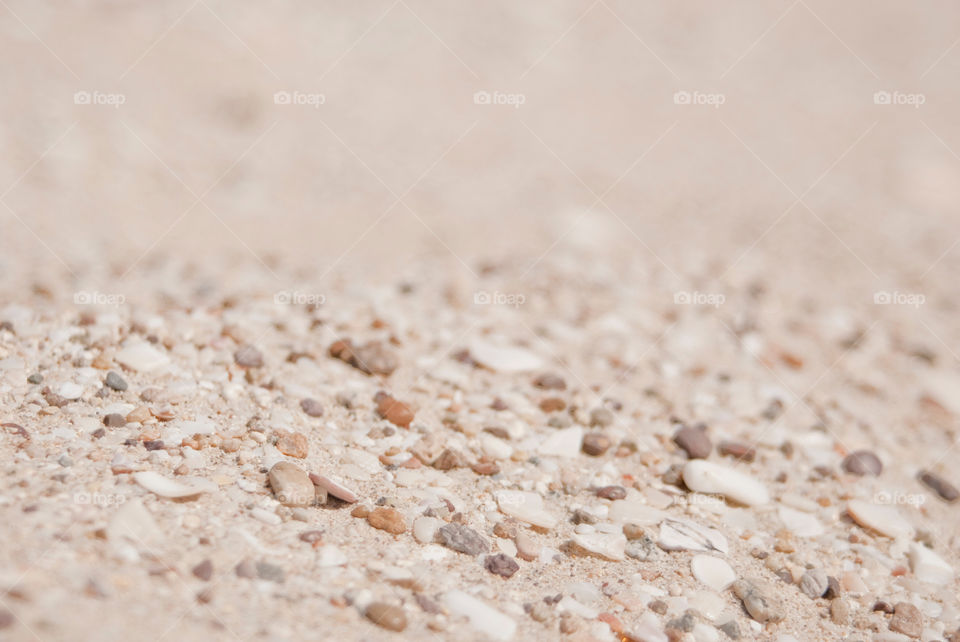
x=611, y=547
x=504, y=358
x=800, y=523
x=881, y=518
x=483, y=618
x=707, y=477
x=527, y=507
x=927, y=566
x=712, y=571
x=425, y=528
x=70, y=390
x=142, y=357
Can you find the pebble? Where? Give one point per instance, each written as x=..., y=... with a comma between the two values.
x=292, y=444
x=134, y=522
x=601, y=417
x=694, y=441
x=862, y=462
x=712, y=572
x=550, y=381
x=527, y=507
x=270, y=572
x=907, y=620
x=141, y=357
x=387, y=519
x=115, y=381
x=248, y=357
x=502, y=565
x=339, y=491
x=70, y=390
x=160, y=485
x=370, y=358
x=814, y=583
x=527, y=547
x=758, y=601
x=684, y=535
x=883, y=519
x=710, y=478
x=291, y=485
x=312, y=407
x=840, y=612
x=944, y=489
x=393, y=410
x=114, y=420
x=738, y=449
x=6, y=619
x=462, y=538
x=483, y=618
x=927, y=566
x=596, y=443
x=203, y=570
x=612, y=546
x=387, y=616
x=504, y=358
x=612, y=492
x=35, y=378
x=563, y=443
x=425, y=529
x=731, y=629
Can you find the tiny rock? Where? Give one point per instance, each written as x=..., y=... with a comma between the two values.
x=387, y=519
x=312, y=407
x=502, y=565
x=758, y=601
x=814, y=583
x=862, y=462
x=944, y=489
x=387, y=616
x=694, y=441
x=292, y=444
x=907, y=620
x=248, y=357
x=712, y=572
x=596, y=443
x=394, y=411
x=291, y=485
x=710, y=478
x=462, y=538
x=115, y=382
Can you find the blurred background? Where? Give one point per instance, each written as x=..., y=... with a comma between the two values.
x=789, y=141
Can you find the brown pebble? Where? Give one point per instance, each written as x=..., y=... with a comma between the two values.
x=550, y=381
x=501, y=564
x=944, y=489
x=386, y=615
x=203, y=570
x=292, y=444
x=387, y=519
x=114, y=420
x=153, y=444
x=312, y=407
x=694, y=441
x=486, y=468
x=139, y=415
x=394, y=411
x=248, y=357
x=246, y=569
x=230, y=445
x=370, y=358
x=611, y=620
x=737, y=449
x=840, y=612
x=596, y=443
x=568, y=624
x=360, y=511
x=907, y=620
x=632, y=531
x=506, y=528
x=450, y=459
x=884, y=607
x=311, y=537
x=291, y=485
x=862, y=462
x=659, y=607
x=612, y=492
x=6, y=619
x=552, y=404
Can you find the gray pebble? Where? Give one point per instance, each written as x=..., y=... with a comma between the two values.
x=731, y=629
x=270, y=572
x=759, y=603
x=36, y=377
x=462, y=538
x=862, y=462
x=694, y=441
x=115, y=381
x=814, y=583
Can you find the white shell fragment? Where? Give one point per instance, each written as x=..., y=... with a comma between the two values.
x=160, y=485
x=883, y=519
x=927, y=566
x=142, y=357
x=712, y=571
x=707, y=477
x=527, y=507
x=684, y=535
x=504, y=358
x=337, y=490
x=483, y=618
x=609, y=545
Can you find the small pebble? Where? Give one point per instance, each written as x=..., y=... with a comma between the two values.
x=387, y=519
x=370, y=358
x=203, y=570
x=737, y=449
x=292, y=444
x=712, y=571
x=713, y=479
x=312, y=407
x=270, y=572
x=596, y=443
x=612, y=492
x=311, y=537
x=462, y=538
x=944, y=489
x=731, y=629
x=550, y=381
x=248, y=357
x=840, y=612
x=339, y=491
x=759, y=602
x=501, y=564
x=386, y=615
x=694, y=441
x=527, y=547
x=907, y=620
x=862, y=462
x=394, y=411
x=814, y=583
x=291, y=485
x=35, y=378
x=601, y=417
x=115, y=381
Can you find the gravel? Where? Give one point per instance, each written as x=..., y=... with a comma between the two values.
x=115, y=381
x=462, y=538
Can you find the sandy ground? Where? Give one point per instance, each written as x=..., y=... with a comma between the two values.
x=690, y=212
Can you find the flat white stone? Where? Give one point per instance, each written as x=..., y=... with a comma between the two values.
x=927, y=566
x=70, y=390
x=424, y=529
x=527, y=507
x=504, y=358
x=633, y=511
x=160, y=485
x=482, y=617
x=141, y=356
x=800, y=523
x=684, y=535
x=712, y=572
x=611, y=546
x=707, y=477
x=881, y=518
x=563, y=443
